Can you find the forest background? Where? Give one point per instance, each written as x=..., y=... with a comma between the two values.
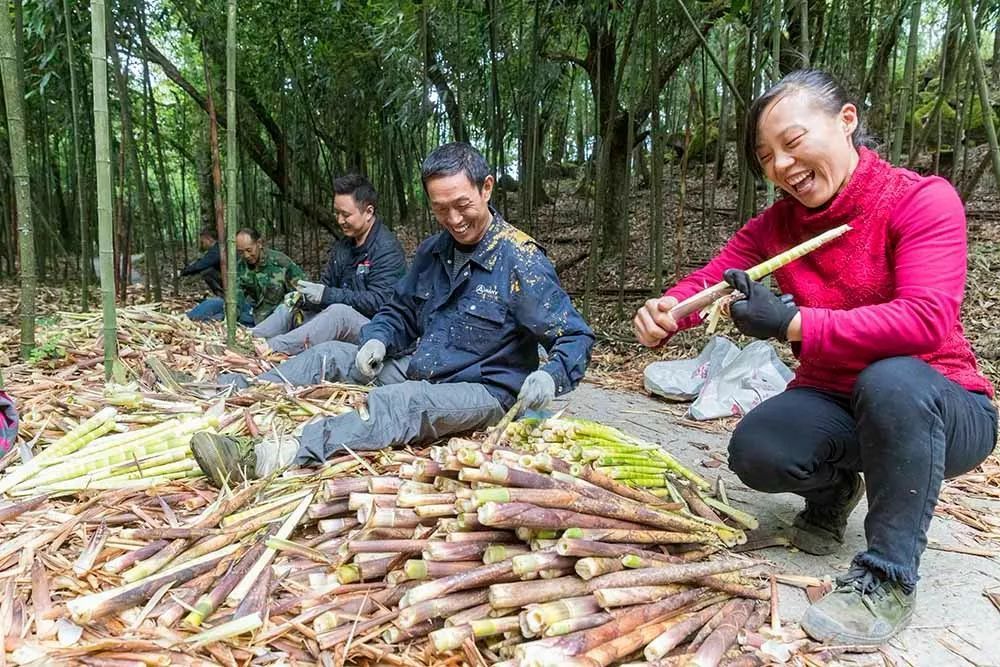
x=613, y=127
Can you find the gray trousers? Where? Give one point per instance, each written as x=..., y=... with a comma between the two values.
x=401, y=412
x=335, y=322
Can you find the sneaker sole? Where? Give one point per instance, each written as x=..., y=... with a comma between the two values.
x=836, y=637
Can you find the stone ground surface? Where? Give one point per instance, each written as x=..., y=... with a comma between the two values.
x=954, y=624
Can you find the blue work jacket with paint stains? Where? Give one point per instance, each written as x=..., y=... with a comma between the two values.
x=485, y=324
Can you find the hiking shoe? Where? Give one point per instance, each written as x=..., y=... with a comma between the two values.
x=224, y=459
x=819, y=528
x=862, y=609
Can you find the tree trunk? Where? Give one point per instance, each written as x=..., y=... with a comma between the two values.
x=163, y=183
x=102, y=153
x=905, y=98
x=85, y=268
x=213, y=145
x=232, y=154
x=983, y=86
x=13, y=87
x=435, y=73
x=151, y=246
x=656, y=157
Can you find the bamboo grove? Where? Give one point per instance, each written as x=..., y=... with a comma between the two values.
x=128, y=125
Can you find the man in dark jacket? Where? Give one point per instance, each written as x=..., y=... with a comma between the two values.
x=208, y=266
x=478, y=300
x=359, y=275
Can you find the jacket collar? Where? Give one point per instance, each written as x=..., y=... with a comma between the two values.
x=485, y=254
x=369, y=241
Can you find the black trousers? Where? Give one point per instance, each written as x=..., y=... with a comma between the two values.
x=213, y=280
x=905, y=427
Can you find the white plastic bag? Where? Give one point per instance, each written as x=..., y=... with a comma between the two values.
x=682, y=380
x=752, y=377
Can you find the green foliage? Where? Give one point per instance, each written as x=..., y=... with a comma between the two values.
x=49, y=351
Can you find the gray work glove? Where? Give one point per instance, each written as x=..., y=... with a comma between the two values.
x=369, y=358
x=311, y=292
x=291, y=299
x=537, y=391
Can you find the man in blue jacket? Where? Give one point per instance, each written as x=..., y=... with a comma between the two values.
x=208, y=265
x=360, y=272
x=477, y=301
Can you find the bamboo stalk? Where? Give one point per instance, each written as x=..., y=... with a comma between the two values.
x=707, y=296
x=590, y=567
x=538, y=618
x=641, y=536
x=514, y=515
x=712, y=623
x=458, y=582
x=622, y=624
x=523, y=593
x=576, y=624
x=443, y=606
x=667, y=574
x=532, y=563
x=583, y=548
x=608, y=598
x=100, y=423
x=382, y=546
x=422, y=569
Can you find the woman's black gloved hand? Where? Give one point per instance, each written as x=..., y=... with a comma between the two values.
x=762, y=314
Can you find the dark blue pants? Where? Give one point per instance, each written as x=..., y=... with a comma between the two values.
x=905, y=427
x=214, y=308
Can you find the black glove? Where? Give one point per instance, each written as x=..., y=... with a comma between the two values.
x=762, y=314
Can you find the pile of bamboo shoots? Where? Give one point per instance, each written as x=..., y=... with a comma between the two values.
x=101, y=454
x=594, y=448
x=390, y=556
x=537, y=566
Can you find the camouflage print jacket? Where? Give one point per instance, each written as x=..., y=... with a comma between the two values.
x=266, y=284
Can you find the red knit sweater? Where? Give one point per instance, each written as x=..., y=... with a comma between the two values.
x=890, y=287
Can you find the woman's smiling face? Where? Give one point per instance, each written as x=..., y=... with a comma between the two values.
x=805, y=150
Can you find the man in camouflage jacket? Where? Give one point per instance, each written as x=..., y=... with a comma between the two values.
x=264, y=276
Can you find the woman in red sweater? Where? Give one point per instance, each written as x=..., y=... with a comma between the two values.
x=887, y=385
